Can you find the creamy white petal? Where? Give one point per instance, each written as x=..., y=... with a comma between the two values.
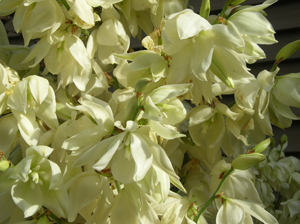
x=256, y=210
x=79, y=52
x=190, y=24
x=96, y=152
x=57, y=201
x=87, y=185
x=163, y=93
x=110, y=151
x=22, y=169
x=122, y=168
x=8, y=132
x=141, y=155
x=201, y=114
x=27, y=199
x=230, y=213
x=28, y=126
x=151, y=111
x=164, y=131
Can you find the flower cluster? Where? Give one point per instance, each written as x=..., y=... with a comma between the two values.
x=92, y=131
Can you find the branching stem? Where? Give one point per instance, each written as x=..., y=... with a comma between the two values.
x=214, y=196
x=227, y=4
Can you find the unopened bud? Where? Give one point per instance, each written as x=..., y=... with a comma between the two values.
x=245, y=161
x=284, y=140
x=4, y=165
x=287, y=51
x=262, y=146
x=205, y=9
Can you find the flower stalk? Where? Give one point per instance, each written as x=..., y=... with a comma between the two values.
x=214, y=196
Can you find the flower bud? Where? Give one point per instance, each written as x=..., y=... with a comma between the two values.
x=4, y=165
x=284, y=141
x=262, y=146
x=205, y=9
x=288, y=50
x=245, y=161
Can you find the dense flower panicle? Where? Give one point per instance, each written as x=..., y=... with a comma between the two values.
x=37, y=25
x=92, y=131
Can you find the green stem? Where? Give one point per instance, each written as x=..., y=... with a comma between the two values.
x=53, y=217
x=214, y=195
x=231, y=104
x=118, y=186
x=227, y=4
x=64, y=2
x=85, y=32
x=274, y=67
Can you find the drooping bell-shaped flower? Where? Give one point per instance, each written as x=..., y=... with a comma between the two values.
x=162, y=108
x=33, y=23
x=82, y=13
x=207, y=125
x=239, y=211
x=64, y=55
x=33, y=97
x=284, y=95
x=39, y=183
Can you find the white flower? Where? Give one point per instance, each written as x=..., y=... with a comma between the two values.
x=33, y=97
x=129, y=206
x=253, y=25
x=207, y=125
x=33, y=23
x=85, y=189
x=145, y=64
x=7, y=7
x=162, y=108
x=174, y=209
x=285, y=94
x=82, y=12
x=239, y=185
x=291, y=207
x=64, y=54
x=38, y=183
x=129, y=153
x=108, y=39
x=234, y=211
